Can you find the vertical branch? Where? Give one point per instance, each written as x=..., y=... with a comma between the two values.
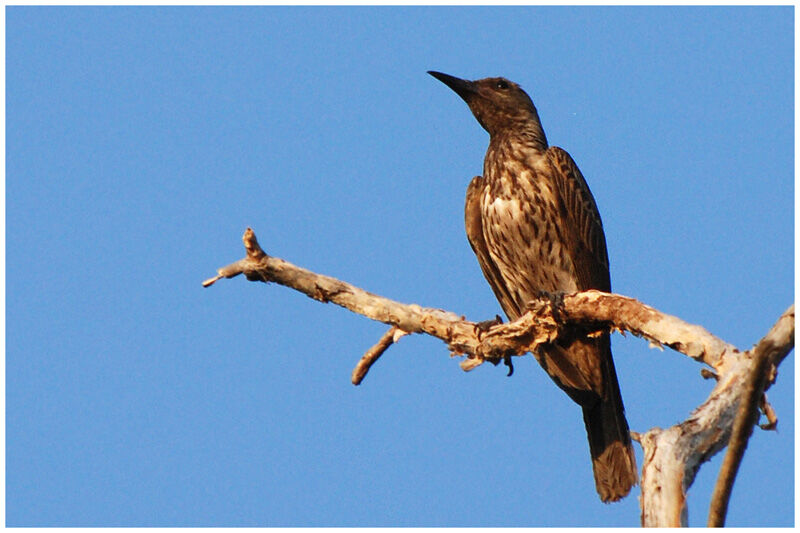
x=746, y=417
x=767, y=354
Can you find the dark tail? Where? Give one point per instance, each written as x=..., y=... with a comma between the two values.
x=613, y=461
x=584, y=369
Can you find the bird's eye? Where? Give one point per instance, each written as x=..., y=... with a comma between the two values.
x=502, y=84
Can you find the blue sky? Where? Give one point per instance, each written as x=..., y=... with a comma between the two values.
x=141, y=142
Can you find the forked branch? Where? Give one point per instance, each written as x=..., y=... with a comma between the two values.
x=672, y=456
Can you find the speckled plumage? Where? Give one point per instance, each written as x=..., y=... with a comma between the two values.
x=534, y=226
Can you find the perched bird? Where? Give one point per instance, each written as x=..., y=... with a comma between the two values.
x=534, y=226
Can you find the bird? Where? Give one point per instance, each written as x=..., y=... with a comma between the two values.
x=535, y=228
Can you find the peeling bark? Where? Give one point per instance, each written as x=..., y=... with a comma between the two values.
x=672, y=456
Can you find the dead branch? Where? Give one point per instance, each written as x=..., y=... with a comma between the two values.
x=590, y=309
x=671, y=456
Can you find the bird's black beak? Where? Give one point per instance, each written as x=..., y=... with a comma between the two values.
x=463, y=88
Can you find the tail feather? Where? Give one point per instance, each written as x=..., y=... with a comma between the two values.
x=584, y=369
x=613, y=460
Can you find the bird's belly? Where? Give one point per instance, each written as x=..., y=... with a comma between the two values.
x=525, y=243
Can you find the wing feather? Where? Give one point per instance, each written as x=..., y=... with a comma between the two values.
x=581, y=220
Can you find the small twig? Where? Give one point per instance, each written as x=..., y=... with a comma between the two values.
x=229, y=271
x=769, y=412
x=372, y=355
x=210, y=281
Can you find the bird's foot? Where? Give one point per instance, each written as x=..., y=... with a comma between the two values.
x=486, y=325
x=556, y=302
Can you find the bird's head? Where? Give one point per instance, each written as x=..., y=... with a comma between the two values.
x=497, y=103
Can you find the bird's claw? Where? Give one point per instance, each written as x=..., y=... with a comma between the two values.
x=486, y=325
x=556, y=300
x=483, y=327
x=509, y=364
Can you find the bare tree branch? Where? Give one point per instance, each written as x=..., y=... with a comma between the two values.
x=590, y=309
x=671, y=456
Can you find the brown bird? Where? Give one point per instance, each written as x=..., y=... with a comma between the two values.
x=534, y=226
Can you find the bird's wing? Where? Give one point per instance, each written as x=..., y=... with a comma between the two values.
x=581, y=220
x=474, y=224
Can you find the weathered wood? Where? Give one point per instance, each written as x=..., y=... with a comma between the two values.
x=672, y=456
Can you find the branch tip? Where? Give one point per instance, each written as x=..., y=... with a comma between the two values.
x=769, y=412
x=471, y=363
x=254, y=250
x=210, y=281
x=370, y=356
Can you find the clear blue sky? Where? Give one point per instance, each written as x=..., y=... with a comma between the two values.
x=141, y=142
